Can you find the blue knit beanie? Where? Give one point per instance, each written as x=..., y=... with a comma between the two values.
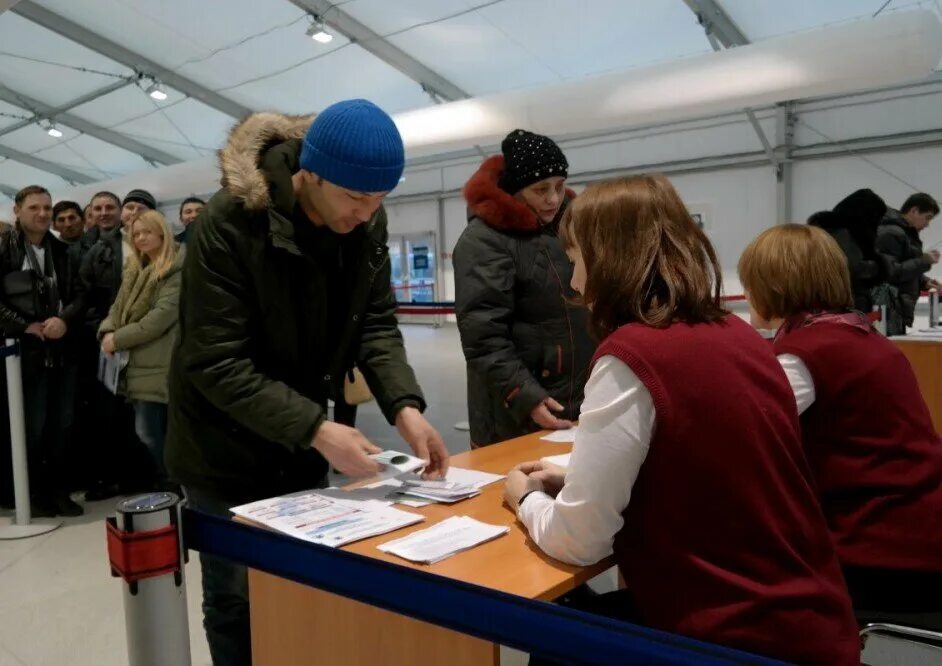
x=354, y=144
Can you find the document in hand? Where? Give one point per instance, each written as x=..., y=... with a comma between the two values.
x=326, y=520
x=448, y=537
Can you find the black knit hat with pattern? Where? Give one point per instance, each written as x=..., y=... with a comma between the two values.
x=529, y=158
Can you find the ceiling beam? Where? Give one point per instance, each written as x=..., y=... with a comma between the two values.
x=64, y=172
x=59, y=115
x=717, y=22
x=8, y=190
x=7, y=4
x=433, y=83
x=90, y=40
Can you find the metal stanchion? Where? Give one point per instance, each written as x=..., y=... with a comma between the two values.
x=933, y=308
x=145, y=548
x=21, y=527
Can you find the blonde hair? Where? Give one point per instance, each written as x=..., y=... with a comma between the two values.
x=795, y=268
x=156, y=223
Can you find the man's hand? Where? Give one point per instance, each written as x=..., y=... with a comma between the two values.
x=54, y=328
x=36, y=330
x=542, y=416
x=933, y=284
x=517, y=485
x=346, y=449
x=552, y=477
x=425, y=441
x=107, y=343
x=933, y=256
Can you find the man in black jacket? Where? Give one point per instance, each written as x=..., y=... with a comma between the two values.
x=899, y=244
x=40, y=304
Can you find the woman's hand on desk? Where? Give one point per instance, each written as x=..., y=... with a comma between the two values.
x=517, y=485
x=552, y=477
x=532, y=476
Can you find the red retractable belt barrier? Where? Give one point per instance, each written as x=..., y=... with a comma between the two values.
x=138, y=555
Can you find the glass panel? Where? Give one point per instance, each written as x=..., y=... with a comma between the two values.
x=395, y=262
x=422, y=268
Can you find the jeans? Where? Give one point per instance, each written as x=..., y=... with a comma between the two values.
x=150, y=423
x=48, y=399
x=225, y=595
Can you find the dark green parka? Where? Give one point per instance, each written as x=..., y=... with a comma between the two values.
x=273, y=313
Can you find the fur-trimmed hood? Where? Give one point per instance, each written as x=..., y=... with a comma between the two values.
x=495, y=207
x=240, y=159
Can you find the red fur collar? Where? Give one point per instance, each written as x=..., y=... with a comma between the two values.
x=493, y=205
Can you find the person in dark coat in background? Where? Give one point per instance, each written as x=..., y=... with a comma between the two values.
x=899, y=244
x=526, y=345
x=853, y=224
x=190, y=209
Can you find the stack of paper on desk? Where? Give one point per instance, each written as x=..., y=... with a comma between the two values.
x=448, y=537
x=440, y=491
x=325, y=519
x=396, y=487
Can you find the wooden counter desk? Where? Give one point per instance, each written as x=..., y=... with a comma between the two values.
x=297, y=624
x=925, y=355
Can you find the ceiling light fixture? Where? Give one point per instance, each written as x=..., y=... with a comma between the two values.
x=51, y=129
x=156, y=91
x=318, y=31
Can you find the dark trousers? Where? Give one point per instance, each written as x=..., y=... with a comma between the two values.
x=225, y=594
x=48, y=400
x=150, y=423
x=912, y=598
x=114, y=452
x=226, y=590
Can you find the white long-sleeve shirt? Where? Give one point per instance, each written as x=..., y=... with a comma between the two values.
x=615, y=429
x=800, y=379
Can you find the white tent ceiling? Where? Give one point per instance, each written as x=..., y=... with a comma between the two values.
x=254, y=54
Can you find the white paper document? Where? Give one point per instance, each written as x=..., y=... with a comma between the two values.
x=448, y=537
x=323, y=518
x=562, y=460
x=110, y=367
x=561, y=436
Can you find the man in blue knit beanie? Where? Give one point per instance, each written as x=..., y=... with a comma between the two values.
x=286, y=305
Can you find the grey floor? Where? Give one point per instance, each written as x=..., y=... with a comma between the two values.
x=60, y=607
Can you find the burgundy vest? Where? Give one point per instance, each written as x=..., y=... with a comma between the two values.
x=724, y=539
x=874, y=453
